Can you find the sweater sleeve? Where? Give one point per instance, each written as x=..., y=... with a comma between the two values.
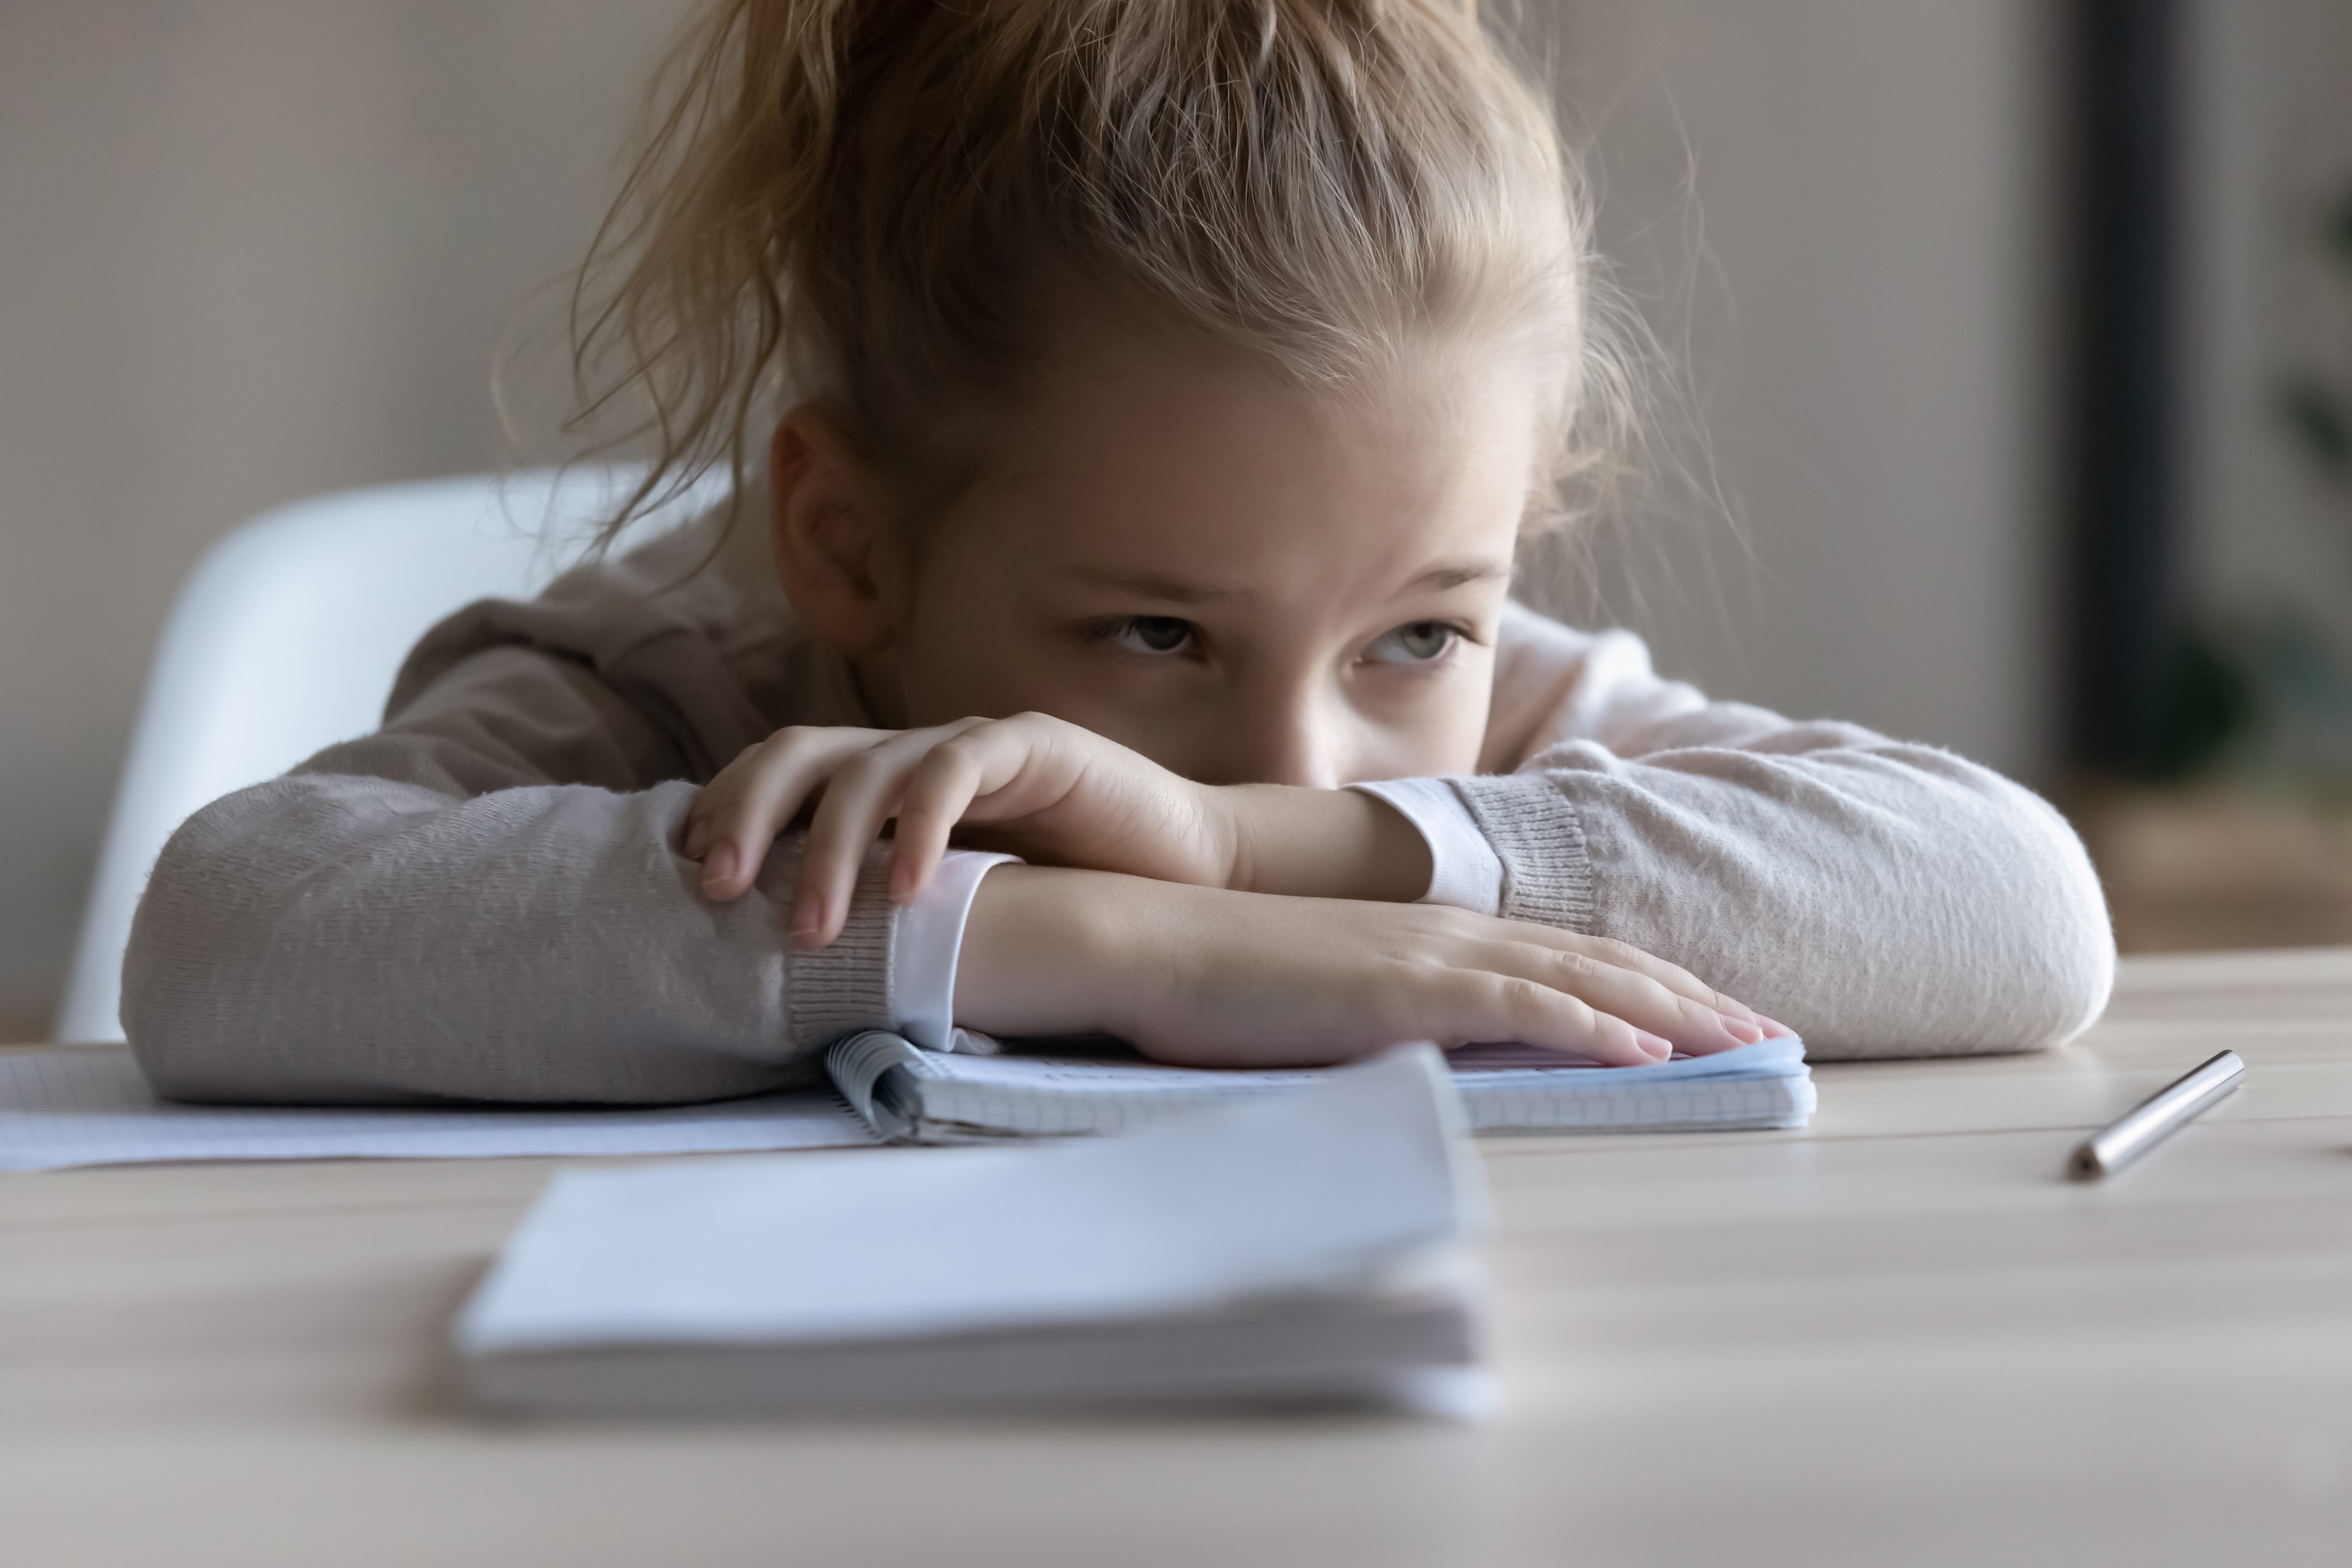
x=483, y=902
x=1882, y=899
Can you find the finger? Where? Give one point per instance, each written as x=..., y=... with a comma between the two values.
x=1626, y=956
x=1467, y=1005
x=694, y=837
x=1484, y=1005
x=1680, y=981
x=756, y=796
x=1694, y=1026
x=995, y=769
x=937, y=795
x=694, y=840
x=859, y=796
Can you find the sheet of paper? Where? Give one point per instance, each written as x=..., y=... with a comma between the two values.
x=1310, y=1189
x=89, y=1106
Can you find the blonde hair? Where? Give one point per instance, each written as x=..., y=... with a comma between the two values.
x=910, y=210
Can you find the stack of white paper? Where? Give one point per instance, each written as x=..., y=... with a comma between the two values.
x=1308, y=1244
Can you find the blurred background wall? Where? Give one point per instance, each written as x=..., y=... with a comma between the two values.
x=249, y=250
x=255, y=249
x=1837, y=215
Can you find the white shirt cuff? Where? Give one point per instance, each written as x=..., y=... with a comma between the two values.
x=930, y=936
x=1464, y=871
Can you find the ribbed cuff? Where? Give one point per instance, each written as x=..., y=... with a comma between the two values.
x=1547, y=873
x=846, y=986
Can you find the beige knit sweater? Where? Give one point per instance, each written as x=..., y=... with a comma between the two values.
x=483, y=900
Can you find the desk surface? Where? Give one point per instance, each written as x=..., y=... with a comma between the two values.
x=1899, y=1337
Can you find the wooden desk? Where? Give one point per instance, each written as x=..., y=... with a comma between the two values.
x=1899, y=1338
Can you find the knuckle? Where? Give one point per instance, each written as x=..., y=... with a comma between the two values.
x=1043, y=731
x=1534, y=1007
x=1523, y=997
x=1577, y=968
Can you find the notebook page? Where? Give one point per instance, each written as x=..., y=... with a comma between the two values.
x=91, y=1106
x=1328, y=1188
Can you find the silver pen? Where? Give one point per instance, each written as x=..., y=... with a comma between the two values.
x=2156, y=1118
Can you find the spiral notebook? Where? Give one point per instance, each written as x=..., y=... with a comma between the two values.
x=978, y=1093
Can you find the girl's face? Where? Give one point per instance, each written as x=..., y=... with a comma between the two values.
x=1244, y=580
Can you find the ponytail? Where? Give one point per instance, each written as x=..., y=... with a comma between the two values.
x=906, y=209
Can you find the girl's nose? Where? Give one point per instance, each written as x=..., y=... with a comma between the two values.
x=1286, y=742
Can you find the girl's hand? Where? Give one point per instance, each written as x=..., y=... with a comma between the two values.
x=1041, y=787
x=1207, y=977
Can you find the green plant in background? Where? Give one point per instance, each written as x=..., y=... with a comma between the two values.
x=2263, y=697
x=2318, y=409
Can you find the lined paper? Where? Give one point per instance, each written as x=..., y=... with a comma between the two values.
x=89, y=1106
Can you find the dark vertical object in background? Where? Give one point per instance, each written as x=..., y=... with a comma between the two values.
x=2126, y=101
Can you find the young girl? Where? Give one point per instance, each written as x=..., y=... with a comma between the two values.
x=1153, y=395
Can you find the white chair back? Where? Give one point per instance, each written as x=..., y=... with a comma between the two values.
x=285, y=639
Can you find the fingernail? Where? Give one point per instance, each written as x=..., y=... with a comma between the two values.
x=719, y=866
x=1743, y=1032
x=1774, y=1026
x=1654, y=1045
x=808, y=918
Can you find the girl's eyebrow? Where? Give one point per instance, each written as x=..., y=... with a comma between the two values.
x=1154, y=585
x=1456, y=574
x=1169, y=590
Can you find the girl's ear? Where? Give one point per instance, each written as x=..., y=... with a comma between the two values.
x=837, y=555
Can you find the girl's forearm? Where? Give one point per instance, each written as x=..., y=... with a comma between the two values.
x=1043, y=951
x=1209, y=976
x=1324, y=843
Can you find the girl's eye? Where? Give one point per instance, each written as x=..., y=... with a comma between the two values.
x=1152, y=634
x=1416, y=643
